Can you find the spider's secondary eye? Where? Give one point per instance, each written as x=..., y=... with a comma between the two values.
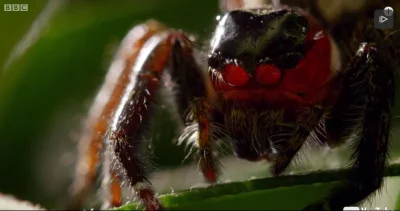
x=268, y=74
x=235, y=75
x=215, y=60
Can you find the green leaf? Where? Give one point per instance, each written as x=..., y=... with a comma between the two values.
x=273, y=193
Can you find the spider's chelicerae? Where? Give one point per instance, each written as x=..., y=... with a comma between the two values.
x=277, y=78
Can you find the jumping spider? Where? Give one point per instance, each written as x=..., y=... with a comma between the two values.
x=276, y=79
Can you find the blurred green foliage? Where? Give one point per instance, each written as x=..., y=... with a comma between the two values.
x=64, y=68
x=15, y=24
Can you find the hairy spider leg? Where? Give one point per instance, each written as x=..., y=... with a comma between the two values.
x=306, y=122
x=105, y=103
x=208, y=164
x=194, y=94
x=165, y=54
x=111, y=184
x=368, y=94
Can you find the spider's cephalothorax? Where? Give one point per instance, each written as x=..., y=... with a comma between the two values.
x=264, y=69
x=274, y=82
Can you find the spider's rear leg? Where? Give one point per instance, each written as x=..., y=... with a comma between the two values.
x=305, y=123
x=368, y=95
x=165, y=54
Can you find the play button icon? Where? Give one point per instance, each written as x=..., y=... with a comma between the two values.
x=382, y=19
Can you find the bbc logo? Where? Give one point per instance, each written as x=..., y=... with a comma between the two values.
x=16, y=7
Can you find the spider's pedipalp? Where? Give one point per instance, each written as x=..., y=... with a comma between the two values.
x=305, y=123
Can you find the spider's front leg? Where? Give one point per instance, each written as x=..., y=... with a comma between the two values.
x=208, y=163
x=368, y=94
x=166, y=55
x=104, y=105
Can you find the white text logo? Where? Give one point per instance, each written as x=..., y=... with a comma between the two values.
x=362, y=208
x=15, y=7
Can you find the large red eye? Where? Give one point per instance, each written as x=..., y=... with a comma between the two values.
x=235, y=75
x=268, y=74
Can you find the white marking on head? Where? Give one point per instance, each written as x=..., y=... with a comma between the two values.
x=336, y=63
x=219, y=32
